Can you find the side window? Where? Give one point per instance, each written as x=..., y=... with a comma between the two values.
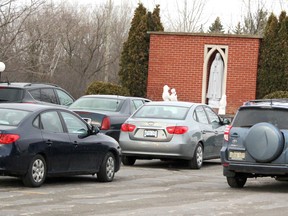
x=136, y=104
x=51, y=122
x=64, y=98
x=36, y=122
x=74, y=125
x=35, y=94
x=200, y=115
x=48, y=95
x=212, y=115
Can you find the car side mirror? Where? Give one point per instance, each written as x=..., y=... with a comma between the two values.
x=226, y=121
x=83, y=133
x=94, y=130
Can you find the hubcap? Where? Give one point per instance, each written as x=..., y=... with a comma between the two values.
x=38, y=170
x=110, y=167
x=199, y=156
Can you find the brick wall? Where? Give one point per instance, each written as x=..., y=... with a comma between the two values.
x=177, y=60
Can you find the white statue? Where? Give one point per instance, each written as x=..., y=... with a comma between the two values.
x=215, y=82
x=173, y=96
x=165, y=94
x=222, y=105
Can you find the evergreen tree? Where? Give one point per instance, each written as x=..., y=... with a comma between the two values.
x=135, y=55
x=238, y=29
x=216, y=27
x=273, y=63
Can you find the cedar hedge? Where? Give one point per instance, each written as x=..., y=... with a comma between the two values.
x=99, y=87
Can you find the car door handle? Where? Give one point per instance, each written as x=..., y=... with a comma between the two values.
x=216, y=132
x=234, y=135
x=75, y=144
x=206, y=131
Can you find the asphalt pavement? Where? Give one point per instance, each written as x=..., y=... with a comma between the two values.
x=147, y=188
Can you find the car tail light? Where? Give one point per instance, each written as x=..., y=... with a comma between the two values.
x=177, y=129
x=225, y=164
x=127, y=127
x=105, y=123
x=227, y=132
x=8, y=138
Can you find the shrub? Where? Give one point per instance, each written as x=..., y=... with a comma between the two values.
x=277, y=94
x=99, y=87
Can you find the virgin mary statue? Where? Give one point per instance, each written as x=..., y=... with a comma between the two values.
x=215, y=82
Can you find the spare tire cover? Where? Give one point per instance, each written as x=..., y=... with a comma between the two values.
x=264, y=142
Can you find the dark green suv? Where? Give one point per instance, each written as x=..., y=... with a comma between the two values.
x=17, y=92
x=256, y=143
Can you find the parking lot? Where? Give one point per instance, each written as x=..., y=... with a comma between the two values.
x=147, y=188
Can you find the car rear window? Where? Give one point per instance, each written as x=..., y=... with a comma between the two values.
x=248, y=117
x=11, y=94
x=12, y=117
x=161, y=112
x=90, y=103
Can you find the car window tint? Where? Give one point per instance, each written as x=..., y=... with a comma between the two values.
x=251, y=116
x=35, y=93
x=11, y=94
x=48, y=95
x=162, y=112
x=93, y=103
x=64, y=98
x=51, y=122
x=12, y=117
x=136, y=104
x=74, y=124
x=201, y=116
x=212, y=115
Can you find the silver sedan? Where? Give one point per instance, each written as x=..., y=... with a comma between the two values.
x=172, y=130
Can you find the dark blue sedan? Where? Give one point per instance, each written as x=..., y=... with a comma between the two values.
x=37, y=141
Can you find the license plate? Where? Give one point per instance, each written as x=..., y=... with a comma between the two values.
x=236, y=155
x=150, y=133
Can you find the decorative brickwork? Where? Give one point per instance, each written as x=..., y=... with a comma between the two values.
x=178, y=60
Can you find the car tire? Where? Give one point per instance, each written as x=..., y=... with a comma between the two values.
x=128, y=161
x=107, y=168
x=197, y=161
x=237, y=181
x=36, y=173
x=264, y=142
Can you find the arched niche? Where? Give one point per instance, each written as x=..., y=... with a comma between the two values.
x=209, y=54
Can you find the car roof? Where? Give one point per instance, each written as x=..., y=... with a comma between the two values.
x=268, y=103
x=28, y=106
x=112, y=96
x=26, y=84
x=173, y=103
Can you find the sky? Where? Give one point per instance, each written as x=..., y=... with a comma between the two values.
x=229, y=11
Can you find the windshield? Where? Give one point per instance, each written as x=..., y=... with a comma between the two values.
x=12, y=117
x=93, y=103
x=251, y=116
x=10, y=94
x=162, y=112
